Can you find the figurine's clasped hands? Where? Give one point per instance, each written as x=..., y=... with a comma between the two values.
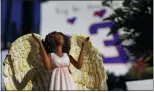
x=35, y=38
x=85, y=42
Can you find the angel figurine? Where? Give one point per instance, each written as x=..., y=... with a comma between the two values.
x=57, y=63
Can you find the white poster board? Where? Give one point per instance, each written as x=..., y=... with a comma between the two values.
x=81, y=17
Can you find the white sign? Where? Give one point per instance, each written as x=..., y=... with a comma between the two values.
x=85, y=17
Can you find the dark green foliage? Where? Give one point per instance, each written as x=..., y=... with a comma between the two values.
x=135, y=15
x=136, y=19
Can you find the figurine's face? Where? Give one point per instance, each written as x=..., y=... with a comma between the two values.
x=59, y=39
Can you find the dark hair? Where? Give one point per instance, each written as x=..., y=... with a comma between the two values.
x=50, y=45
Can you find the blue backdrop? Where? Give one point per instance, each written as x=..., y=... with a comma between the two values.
x=13, y=19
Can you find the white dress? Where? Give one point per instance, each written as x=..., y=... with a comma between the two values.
x=61, y=79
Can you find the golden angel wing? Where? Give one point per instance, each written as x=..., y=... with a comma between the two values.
x=23, y=66
x=92, y=75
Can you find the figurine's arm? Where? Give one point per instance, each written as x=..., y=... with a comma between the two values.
x=46, y=58
x=79, y=64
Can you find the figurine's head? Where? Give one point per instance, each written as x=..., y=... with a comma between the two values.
x=59, y=39
x=54, y=39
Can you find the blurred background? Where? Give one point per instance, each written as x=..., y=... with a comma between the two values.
x=122, y=30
